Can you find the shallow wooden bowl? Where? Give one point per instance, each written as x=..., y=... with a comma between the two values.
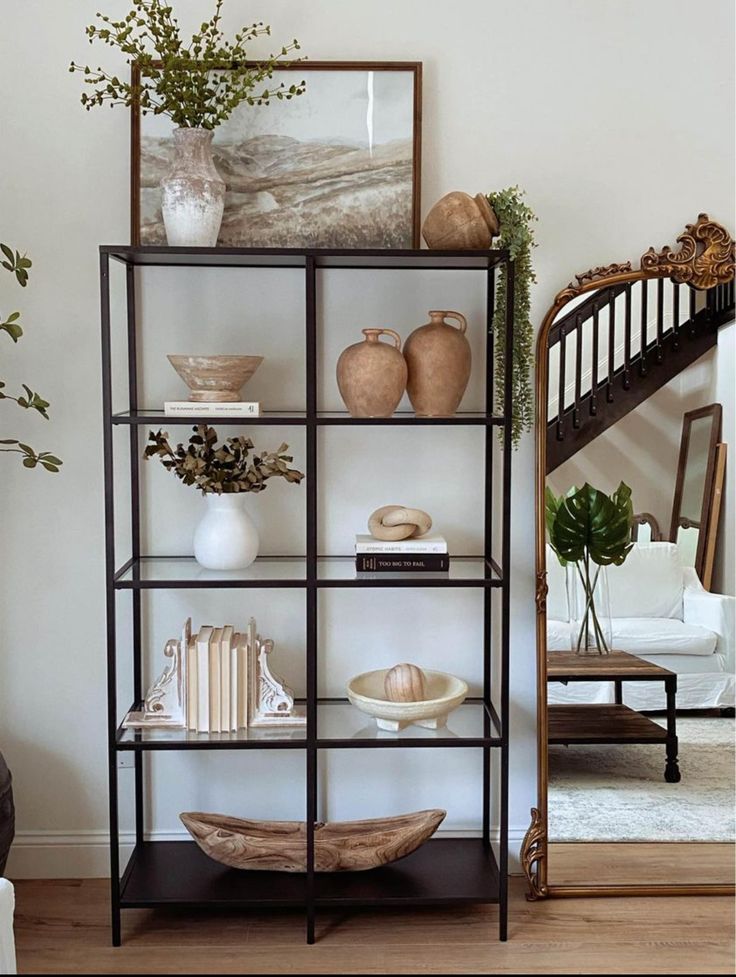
x=444, y=693
x=339, y=846
x=215, y=379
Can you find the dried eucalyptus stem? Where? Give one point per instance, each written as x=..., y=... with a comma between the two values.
x=197, y=85
x=221, y=469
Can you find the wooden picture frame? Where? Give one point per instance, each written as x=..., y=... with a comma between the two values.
x=413, y=68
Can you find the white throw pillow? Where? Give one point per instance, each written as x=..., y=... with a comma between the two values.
x=648, y=584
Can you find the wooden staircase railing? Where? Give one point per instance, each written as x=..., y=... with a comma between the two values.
x=618, y=346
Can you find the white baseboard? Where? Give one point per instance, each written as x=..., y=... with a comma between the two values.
x=85, y=855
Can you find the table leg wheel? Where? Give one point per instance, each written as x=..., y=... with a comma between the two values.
x=672, y=774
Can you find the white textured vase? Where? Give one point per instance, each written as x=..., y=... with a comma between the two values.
x=193, y=192
x=226, y=537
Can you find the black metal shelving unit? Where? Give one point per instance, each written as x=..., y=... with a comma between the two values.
x=443, y=871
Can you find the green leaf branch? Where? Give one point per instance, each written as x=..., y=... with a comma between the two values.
x=199, y=84
x=515, y=218
x=18, y=265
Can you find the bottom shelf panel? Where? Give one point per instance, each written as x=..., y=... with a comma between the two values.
x=177, y=873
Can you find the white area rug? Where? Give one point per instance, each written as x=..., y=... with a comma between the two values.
x=618, y=793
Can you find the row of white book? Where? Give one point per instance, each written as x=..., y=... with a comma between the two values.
x=217, y=681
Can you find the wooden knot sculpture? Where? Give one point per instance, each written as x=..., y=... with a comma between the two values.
x=394, y=522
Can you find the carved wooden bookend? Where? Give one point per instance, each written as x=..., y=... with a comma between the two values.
x=248, y=692
x=166, y=701
x=270, y=700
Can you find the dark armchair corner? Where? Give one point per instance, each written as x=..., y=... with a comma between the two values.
x=7, y=813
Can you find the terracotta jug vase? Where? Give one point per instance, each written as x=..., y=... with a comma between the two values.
x=438, y=356
x=371, y=375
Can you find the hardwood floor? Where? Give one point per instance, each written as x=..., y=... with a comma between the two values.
x=62, y=928
x=640, y=863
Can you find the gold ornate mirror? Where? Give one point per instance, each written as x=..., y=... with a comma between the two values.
x=609, y=349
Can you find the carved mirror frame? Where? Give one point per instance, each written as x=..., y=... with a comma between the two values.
x=704, y=258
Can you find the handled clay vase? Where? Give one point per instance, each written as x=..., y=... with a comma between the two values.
x=439, y=359
x=371, y=375
x=459, y=222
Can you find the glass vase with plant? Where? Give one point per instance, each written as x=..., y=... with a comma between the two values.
x=226, y=538
x=198, y=85
x=588, y=531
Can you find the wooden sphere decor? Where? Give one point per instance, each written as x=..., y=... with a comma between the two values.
x=394, y=522
x=459, y=222
x=405, y=683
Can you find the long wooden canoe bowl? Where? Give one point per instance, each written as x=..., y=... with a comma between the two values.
x=339, y=846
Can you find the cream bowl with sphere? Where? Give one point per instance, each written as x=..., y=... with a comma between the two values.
x=444, y=693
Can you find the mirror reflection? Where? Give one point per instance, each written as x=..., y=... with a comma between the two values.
x=640, y=606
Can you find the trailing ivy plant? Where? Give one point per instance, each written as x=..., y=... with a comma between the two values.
x=224, y=468
x=184, y=81
x=515, y=219
x=18, y=264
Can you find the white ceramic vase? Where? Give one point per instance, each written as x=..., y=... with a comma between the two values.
x=226, y=537
x=193, y=192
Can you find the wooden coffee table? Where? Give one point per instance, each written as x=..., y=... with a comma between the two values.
x=612, y=723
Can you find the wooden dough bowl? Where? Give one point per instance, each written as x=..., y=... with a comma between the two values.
x=281, y=846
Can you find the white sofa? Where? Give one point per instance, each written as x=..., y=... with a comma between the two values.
x=660, y=612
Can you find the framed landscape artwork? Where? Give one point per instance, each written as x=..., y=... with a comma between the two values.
x=337, y=167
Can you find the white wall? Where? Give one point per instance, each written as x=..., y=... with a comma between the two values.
x=616, y=117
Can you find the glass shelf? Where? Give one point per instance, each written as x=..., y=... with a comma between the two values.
x=283, y=738
x=161, y=572
x=155, y=416
x=339, y=726
x=297, y=257
x=184, y=571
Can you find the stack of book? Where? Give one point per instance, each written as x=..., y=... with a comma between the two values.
x=217, y=681
x=192, y=408
x=407, y=555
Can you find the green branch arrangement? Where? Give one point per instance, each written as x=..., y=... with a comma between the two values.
x=515, y=219
x=198, y=84
x=221, y=469
x=18, y=264
x=586, y=527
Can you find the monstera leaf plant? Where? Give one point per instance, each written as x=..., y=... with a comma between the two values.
x=590, y=530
